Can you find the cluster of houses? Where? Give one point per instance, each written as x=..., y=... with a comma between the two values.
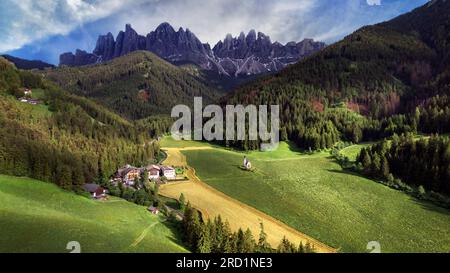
x=27, y=98
x=129, y=174
x=99, y=193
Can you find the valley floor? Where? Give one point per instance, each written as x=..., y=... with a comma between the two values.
x=312, y=194
x=213, y=203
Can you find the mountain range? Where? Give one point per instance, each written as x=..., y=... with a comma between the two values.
x=387, y=78
x=245, y=55
x=27, y=64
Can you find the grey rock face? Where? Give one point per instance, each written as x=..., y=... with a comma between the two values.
x=105, y=47
x=80, y=58
x=177, y=46
x=132, y=41
x=256, y=54
x=249, y=54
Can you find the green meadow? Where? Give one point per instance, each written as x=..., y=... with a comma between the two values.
x=314, y=195
x=352, y=151
x=39, y=217
x=169, y=142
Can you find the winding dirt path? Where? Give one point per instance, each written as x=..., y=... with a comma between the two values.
x=211, y=202
x=143, y=234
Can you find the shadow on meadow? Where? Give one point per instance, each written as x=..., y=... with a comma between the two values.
x=427, y=205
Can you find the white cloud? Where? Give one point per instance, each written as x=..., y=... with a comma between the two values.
x=211, y=20
x=28, y=20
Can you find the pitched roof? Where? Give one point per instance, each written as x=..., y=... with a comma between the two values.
x=151, y=167
x=154, y=171
x=91, y=187
x=125, y=169
x=167, y=168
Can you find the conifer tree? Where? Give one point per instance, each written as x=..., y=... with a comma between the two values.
x=263, y=245
x=204, y=239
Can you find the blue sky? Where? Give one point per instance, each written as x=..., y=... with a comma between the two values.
x=42, y=29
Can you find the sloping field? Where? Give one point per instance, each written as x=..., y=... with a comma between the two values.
x=169, y=142
x=39, y=217
x=312, y=193
x=213, y=203
x=352, y=151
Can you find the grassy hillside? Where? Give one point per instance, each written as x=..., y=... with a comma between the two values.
x=353, y=151
x=314, y=195
x=136, y=85
x=169, y=142
x=39, y=217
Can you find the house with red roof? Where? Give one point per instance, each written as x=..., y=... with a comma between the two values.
x=95, y=190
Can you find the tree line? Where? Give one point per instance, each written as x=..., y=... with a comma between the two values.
x=424, y=162
x=215, y=236
x=68, y=140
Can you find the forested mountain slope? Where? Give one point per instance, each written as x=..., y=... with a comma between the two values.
x=135, y=85
x=27, y=64
x=382, y=72
x=66, y=139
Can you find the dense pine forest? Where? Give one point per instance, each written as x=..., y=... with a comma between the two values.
x=135, y=86
x=391, y=78
x=419, y=163
x=68, y=140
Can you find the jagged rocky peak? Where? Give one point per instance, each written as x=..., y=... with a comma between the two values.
x=251, y=37
x=165, y=28
x=249, y=54
x=80, y=58
x=259, y=45
x=263, y=37
x=128, y=28
x=105, y=46
x=177, y=46
x=132, y=41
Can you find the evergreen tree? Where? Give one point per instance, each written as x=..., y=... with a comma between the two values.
x=220, y=235
x=263, y=245
x=286, y=246
x=144, y=178
x=385, y=168
x=240, y=241
x=204, y=239
x=248, y=244
x=228, y=245
x=301, y=248
x=366, y=160
x=376, y=164
x=182, y=202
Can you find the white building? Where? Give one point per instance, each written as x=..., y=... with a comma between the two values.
x=169, y=172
